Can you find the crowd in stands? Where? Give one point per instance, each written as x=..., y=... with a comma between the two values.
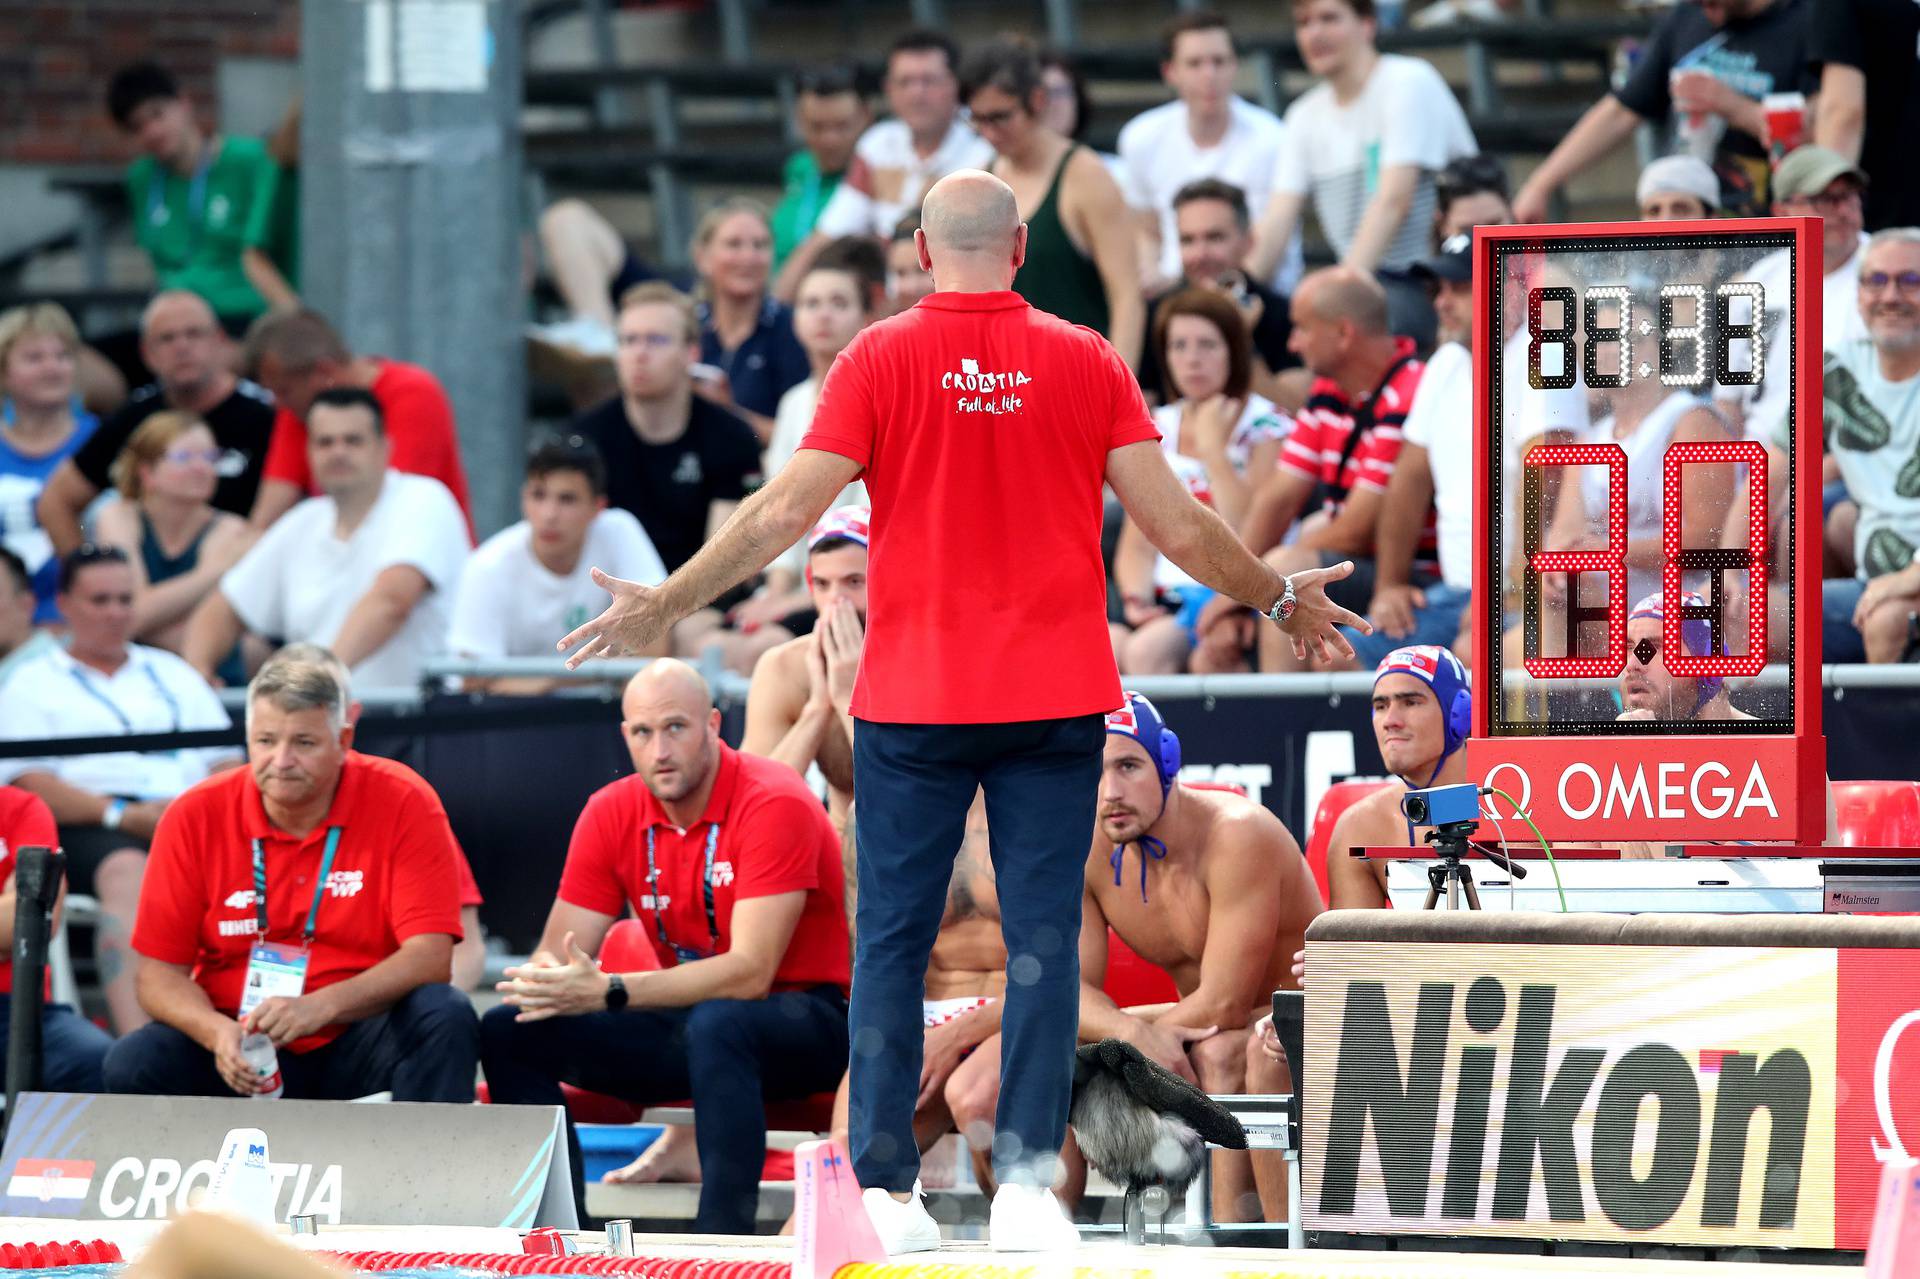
x=268, y=509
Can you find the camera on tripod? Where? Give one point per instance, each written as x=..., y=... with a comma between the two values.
x=1442, y=805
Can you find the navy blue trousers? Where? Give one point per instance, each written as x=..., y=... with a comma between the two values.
x=913, y=784
x=71, y=1047
x=728, y=1055
x=424, y=1048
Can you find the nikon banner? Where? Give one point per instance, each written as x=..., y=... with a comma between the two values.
x=1634, y=1094
x=138, y=1158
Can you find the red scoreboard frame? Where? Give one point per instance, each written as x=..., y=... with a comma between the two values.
x=1585, y=781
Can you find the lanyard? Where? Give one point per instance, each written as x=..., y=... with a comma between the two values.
x=319, y=884
x=126, y=725
x=196, y=190
x=706, y=889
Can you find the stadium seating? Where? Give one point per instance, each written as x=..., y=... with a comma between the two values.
x=1877, y=814
x=1339, y=798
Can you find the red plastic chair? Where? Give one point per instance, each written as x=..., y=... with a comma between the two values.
x=1877, y=814
x=1133, y=981
x=1339, y=798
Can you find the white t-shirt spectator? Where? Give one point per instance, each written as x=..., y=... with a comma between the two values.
x=1158, y=157
x=1335, y=152
x=790, y=423
x=1763, y=408
x=300, y=580
x=888, y=178
x=52, y=695
x=1260, y=421
x=510, y=605
x=1441, y=422
x=1873, y=433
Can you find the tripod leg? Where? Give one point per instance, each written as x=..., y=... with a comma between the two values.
x=1473, y=894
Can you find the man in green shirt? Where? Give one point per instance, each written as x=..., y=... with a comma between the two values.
x=830, y=116
x=202, y=204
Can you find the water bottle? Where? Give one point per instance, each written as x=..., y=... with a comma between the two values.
x=259, y=1053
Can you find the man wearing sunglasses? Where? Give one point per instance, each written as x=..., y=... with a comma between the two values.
x=1873, y=435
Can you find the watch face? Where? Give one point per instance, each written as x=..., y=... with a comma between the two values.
x=1640, y=437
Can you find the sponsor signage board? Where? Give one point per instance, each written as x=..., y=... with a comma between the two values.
x=1629, y=1094
x=102, y=1158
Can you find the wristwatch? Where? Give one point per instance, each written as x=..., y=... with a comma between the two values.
x=1283, y=607
x=616, y=993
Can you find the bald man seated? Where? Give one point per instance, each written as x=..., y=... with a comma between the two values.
x=733, y=869
x=1343, y=447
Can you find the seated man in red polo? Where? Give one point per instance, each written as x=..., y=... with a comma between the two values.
x=71, y=1047
x=734, y=869
x=310, y=897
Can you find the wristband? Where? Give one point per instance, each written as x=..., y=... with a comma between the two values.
x=116, y=810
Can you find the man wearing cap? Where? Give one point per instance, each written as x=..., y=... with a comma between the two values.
x=1207, y=885
x=732, y=867
x=798, y=704
x=1422, y=714
x=985, y=431
x=1677, y=188
x=1648, y=690
x=1435, y=468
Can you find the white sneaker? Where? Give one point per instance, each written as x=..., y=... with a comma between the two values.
x=580, y=335
x=1025, y=1219
x=902, y=1227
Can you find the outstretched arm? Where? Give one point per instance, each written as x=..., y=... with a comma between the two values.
x=766, y=524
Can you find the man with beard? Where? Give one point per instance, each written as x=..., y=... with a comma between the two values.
x=798, y=703
x=733, y=868
x=1221, y=901
x=1648, y=690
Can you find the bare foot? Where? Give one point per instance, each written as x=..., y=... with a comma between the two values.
x=672, y=1157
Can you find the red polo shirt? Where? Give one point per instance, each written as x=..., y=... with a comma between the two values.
x=774, y=838
x=25, y=821
x=393, y=878
x=983, y=426
x=420, y=434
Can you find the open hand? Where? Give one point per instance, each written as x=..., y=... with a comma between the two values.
x=632, y=623
x=1313, y=628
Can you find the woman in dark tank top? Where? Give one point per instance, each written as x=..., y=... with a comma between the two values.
x=1081, y=262
x=164, y=519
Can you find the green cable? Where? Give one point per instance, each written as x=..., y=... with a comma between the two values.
x=1553, y=865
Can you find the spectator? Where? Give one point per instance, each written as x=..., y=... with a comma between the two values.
x=1869, y=103
x=897, y=160
x=1706, y=69
x=1873, y=431
x=365, y=569
x=827, y=315
x=1677, y=188
x=865, y=260
x=297, y=356
x=203, y=203
x=1364, y=144
x=1435, y=471
x=1220, y=438
x=1079, y=256
x=798, y=705
x=1470, y=191
x=177, y=544
x=71, y=1047
x=1811, y=182
x=20, y=640
x=182, y=344
x=1207, y=131
x=1210, y=219
x=750, y=997
x=829, y=114
x=677, y=461
x=349, y=980
x=907, y=280
x=470, y=952
x=749, y=356
x=1343, y=446
x=532, y=581
x=41, y=425
x=108, y=804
